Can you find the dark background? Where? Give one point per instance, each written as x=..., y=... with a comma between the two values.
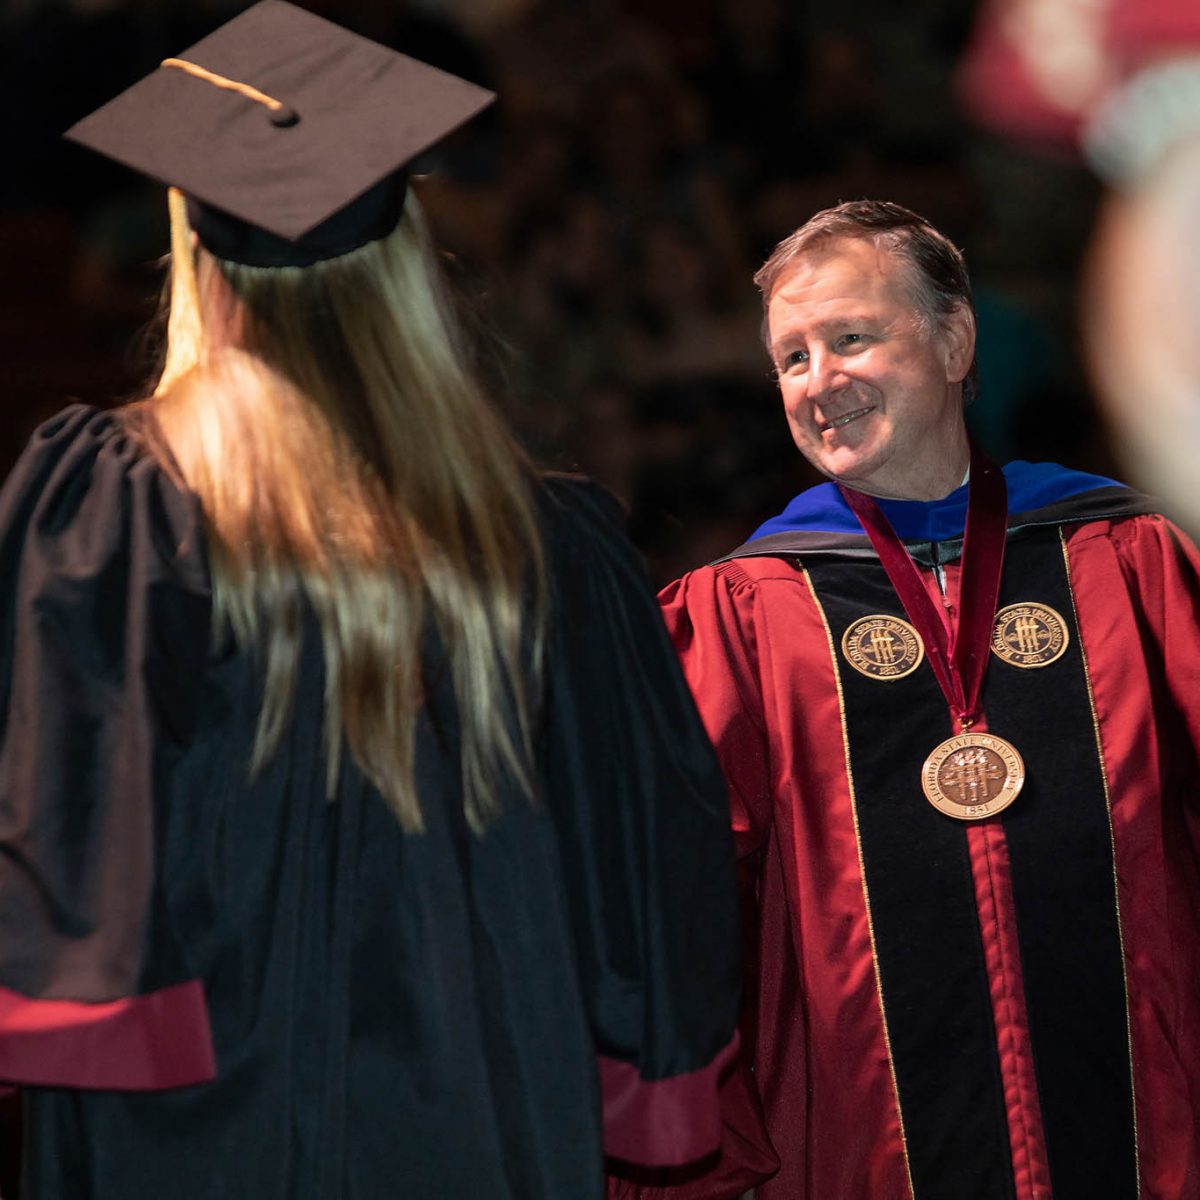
x=601, y=225
x=602, y=222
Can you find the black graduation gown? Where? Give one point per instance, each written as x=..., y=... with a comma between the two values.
x=218, y=987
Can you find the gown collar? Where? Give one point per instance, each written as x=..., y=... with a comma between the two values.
x=1030, y=486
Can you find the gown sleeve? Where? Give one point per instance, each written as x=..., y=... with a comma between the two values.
x=1161, y=567
x=1162, y=564
x=104, y=629
x=643, y=821
x=711, y=623
x=709, y=616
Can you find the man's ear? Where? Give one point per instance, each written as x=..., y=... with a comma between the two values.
x=958, y=339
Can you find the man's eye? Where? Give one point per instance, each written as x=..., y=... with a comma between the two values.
x=852, y=339
x=793, y=358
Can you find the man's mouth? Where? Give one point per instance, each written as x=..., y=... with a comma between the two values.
x=845, y=419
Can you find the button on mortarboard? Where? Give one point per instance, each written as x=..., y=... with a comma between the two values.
x=288, y=124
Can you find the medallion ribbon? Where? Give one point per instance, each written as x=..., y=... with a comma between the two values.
x=971, y=775
x=958, y=656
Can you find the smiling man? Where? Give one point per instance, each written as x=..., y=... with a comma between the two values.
x=959, y=711
x=871, y=380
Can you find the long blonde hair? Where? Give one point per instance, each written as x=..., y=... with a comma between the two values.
x=343, y=455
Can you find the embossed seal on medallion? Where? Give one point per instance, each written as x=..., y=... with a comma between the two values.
x=973, y=775
x=1029, y=635
x=883, y=647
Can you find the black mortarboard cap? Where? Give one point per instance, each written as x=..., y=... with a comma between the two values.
x=289, y=134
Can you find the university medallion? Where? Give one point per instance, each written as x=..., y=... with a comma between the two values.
x=1029, y=635
x=883, y=647
x=973, y=775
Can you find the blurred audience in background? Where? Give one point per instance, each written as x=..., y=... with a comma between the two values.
x=606, y=217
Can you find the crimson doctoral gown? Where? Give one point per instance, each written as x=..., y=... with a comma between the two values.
x=942, y=1009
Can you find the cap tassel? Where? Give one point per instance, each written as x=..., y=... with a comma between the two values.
x=281, y=114
x=185, y=330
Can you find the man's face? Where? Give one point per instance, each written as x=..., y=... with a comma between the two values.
x=873, y=397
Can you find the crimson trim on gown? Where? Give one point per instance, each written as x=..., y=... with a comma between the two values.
x=138, y=1043
x=662, y=1122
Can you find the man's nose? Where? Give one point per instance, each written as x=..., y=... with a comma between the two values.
x=825, y=374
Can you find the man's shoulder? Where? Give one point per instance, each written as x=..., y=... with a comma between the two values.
x=749, y=570
x=1140, y=537
x=818, y=523
x=1044, y=493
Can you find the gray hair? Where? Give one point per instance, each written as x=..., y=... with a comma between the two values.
x=940, y=284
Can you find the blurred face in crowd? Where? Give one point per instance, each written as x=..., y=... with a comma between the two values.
x=1142, y=320
x=872, y=388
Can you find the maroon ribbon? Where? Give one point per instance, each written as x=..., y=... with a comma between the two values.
x=958, y=659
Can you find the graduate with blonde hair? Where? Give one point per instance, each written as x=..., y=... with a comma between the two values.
x=358, y=836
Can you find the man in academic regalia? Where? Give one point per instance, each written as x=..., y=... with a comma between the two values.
x=959, y=711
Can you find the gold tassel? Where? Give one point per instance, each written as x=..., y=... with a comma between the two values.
x=185, y=329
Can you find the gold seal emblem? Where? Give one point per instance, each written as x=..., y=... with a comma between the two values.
x=883, y=647
x=973, y=775
x=1029, y=635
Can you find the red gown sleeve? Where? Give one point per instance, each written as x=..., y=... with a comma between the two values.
x=710, y=617
x=1162, y=568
